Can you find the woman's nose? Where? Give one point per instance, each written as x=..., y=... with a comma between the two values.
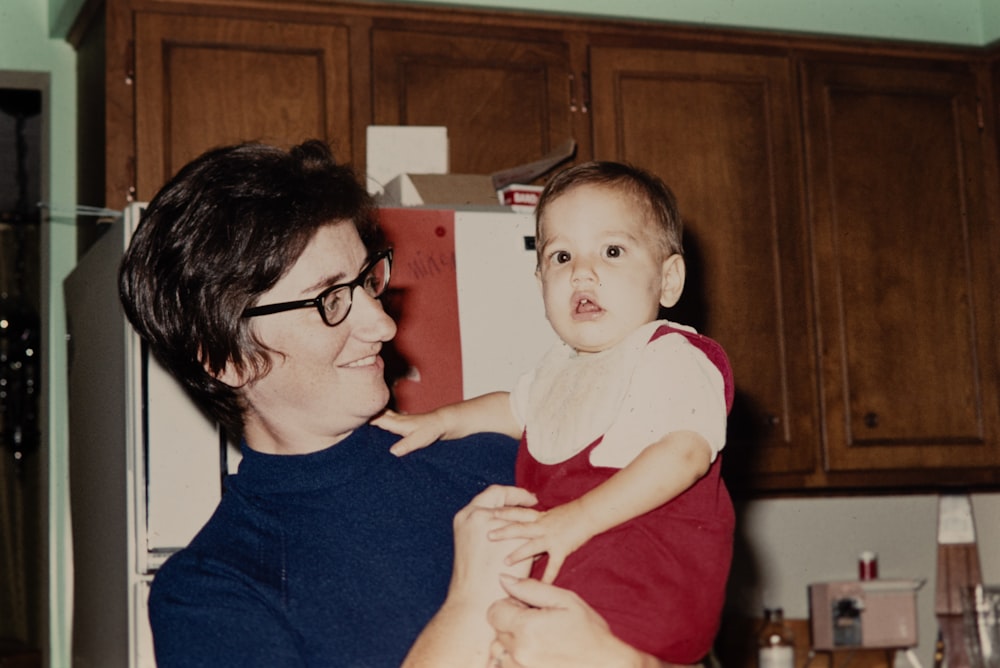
x=370, y=319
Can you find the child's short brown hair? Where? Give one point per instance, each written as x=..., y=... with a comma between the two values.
x=648, y=190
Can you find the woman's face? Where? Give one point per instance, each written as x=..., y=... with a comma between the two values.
x=324, y=381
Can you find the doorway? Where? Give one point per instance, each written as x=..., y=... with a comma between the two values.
x=23, y=561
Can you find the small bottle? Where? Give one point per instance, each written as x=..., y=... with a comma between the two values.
x=775, y=643
x=867, y=565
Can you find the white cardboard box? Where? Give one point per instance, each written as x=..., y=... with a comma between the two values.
x=399, y=149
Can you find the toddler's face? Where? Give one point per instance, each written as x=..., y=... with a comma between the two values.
x=601, y=269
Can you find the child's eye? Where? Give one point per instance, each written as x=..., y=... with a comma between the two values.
x=613, y=251
x=560, y=257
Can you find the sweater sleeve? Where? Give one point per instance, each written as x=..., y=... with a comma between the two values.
x=202, y=618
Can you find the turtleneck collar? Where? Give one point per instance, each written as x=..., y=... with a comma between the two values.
x=269, y=473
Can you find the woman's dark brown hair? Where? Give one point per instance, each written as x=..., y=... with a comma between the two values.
x=218, y=235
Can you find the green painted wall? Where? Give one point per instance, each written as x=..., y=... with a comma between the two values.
x=945, y=21
x=26, y=47
x=31, y=34
x=968, y=22
x=991, y=20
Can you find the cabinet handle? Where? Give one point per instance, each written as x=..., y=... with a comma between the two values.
x=871, y=420
x=583, y=87
x=130, y=169
x=130, y=63
x=771, y=420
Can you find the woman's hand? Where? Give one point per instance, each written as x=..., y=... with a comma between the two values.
x=543, y=626
x=479, y=561
x=458, y=636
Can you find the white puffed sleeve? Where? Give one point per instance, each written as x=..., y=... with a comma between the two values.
x=675, y=387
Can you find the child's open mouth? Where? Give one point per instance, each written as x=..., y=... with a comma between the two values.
x=587, y=305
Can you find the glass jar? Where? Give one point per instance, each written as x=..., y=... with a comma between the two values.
x=775, y=642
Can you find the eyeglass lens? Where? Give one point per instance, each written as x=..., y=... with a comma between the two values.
x=373, y=280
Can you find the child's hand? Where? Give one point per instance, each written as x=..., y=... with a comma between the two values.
x=558, y=532
x=418, y=431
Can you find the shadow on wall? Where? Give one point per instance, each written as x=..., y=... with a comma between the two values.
x=735, y=645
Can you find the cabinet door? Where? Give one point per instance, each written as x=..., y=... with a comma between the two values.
x=902, y=254
x=205, y=81
x=721, y=130
x=505, y=102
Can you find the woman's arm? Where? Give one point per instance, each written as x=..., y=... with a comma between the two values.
x=544, y=626
x=538, y=625
x=459, y=636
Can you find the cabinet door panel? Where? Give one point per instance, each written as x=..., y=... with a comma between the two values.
x=895, y=179
x=203, y=82
x=504, y=102
x=720, y=130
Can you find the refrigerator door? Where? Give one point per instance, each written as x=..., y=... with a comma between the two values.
x=144, y=464
x=180, y=481
x=101, y=463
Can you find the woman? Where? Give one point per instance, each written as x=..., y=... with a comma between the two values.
x=326, y=549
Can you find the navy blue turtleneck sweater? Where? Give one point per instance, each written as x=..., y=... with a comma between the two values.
x=336, y=558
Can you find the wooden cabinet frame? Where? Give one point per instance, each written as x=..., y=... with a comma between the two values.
x=811, y=394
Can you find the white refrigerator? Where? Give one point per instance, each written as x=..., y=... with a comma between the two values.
x=146, y=467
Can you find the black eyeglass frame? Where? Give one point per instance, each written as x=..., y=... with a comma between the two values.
x=317, y=301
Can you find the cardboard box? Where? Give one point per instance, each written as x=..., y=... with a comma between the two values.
x=457, y=190
x=869, y=614
x=520, y=197
x=443, y=189
x=396, y=149
x=404, y=149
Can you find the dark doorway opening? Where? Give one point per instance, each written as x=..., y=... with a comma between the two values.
x=23, y=561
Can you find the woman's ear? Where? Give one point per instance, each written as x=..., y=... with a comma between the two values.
x=672, y=275
x=230, y=374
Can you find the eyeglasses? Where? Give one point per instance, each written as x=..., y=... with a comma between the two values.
x=334, y=303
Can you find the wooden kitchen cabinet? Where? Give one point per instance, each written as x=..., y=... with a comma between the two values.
x=206, y=81
x=848, y=276
x=504, y=99
x=184, y=77
x=722, y=130
x=161, y=82
x=898, y=172
x=840, y=196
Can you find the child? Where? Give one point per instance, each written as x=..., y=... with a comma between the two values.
x=620, y=424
